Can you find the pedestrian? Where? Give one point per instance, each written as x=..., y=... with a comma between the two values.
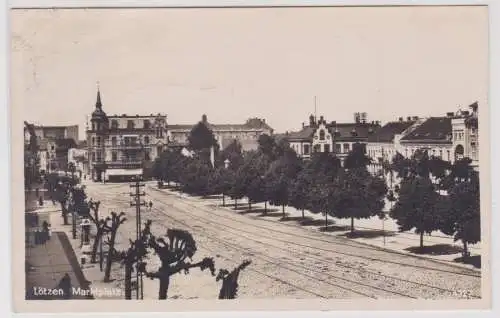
x=65, y=285
x=150, y=205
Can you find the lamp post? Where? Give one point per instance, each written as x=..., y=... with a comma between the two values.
x=73, y=210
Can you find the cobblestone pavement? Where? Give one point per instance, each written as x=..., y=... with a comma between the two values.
x=287, y=262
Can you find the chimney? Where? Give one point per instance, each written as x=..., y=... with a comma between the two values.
x=204, y=118
x=450, y=114
x=303, y=124
x=264, y=120
x=408, y=118
x=311, y=121
x=400, y=118
x=415, y=118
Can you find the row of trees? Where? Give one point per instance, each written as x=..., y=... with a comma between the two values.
x=432, y=194
x=175, y=249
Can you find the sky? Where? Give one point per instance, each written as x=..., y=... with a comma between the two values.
x=236, y=63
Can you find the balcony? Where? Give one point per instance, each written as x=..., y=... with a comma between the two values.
x=123, y=145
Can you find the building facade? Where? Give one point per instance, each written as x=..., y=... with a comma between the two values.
x=122, y=145
x=323, y=136
x=247, y=134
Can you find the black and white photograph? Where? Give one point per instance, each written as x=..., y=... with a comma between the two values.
x=251, y=154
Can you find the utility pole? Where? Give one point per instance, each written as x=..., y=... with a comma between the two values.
x=138, y=186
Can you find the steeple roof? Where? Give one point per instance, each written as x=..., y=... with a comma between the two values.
x=98, y=113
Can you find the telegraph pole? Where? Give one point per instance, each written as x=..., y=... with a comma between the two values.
x=137, y=194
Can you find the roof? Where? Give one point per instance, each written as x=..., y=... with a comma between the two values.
x=389, y=130
x=344, y=131
x=433, y=130
x=305, y=134
x=250, y=124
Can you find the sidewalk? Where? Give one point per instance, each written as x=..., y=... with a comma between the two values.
x=48, y=263
x=373, y=231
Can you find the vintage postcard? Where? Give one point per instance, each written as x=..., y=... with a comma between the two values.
x=279, y=158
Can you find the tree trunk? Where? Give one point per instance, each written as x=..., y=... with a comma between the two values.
x=352, y=224
x=303, y=214
x=109, y=258
x=422, y=240
x=326, y=221
x=128, y=281
x=283, y=209
x=249, y=205
x=64, y=213
x=223, y=200
x=466, y=251
x=164, y=282
x=236, y=204
x=265, y=207
x=95, y=246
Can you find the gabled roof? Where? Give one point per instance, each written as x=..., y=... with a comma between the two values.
x=433, y=130
x=389, y=130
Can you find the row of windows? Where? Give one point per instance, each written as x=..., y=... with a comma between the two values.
x=97, y=156
x=130, y=125
x=339, y=148
x=97, y=141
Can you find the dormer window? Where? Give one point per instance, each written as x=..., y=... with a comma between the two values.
x=147, y=124
x=114, y=124
x=130, y=124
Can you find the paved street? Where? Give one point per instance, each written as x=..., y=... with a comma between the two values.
x=287, y=261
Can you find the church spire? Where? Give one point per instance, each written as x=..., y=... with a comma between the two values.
x=98, y=103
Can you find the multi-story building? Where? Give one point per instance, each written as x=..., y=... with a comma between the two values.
x=450, y=137
x=321, y=136
x=53, y=144
x=246, y=134
x=121, y=145
x=383, y=145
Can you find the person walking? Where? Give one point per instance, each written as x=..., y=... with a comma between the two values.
x=150, y=205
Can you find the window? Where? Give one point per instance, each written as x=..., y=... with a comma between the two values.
x=114, y=124
x=147, y=156
x=321, y=134
x=448, y=153
x=114, y=156
x=306, y=149
x=93, y=141
x=317, y=148
x=327, y=148
x=146, y=140
x=113, y=141
x=338, y=148
x=130, y=124
x=147, y=124
x=99, y=157
x=346, y=147
x=93, y=156
x=98, y=140
x=441, y=154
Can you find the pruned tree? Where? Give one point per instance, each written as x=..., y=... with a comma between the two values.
x=173, y=253
x=112, y=224
x=357, y=157
x=299, y=191
x=221, y=181
x=137, y=250
x=100, y=225
x=229, y=289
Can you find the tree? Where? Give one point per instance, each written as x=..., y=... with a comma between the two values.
x=173, y=255
x=101, y=228
x=357, y=157
x=256, y=165
x=357, y=195
x=112, y=226
x=462, y=212
x=221, y=181
x=439, y=169
x=195, y=177
x=298, y=193
x=201, y=137
x=233, y=153
x=418, y=207
x=267, y=146
x=133, y=255
x=280, y=176
x=229, y=289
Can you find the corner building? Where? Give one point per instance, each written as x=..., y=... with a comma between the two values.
x=120, y=146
